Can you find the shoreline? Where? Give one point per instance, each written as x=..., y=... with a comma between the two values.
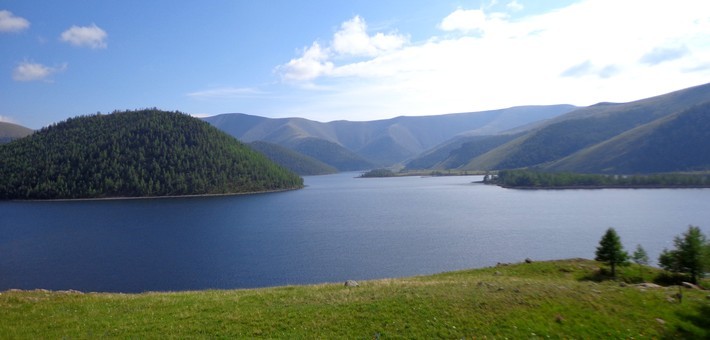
x=122, y=198
x=595, y=187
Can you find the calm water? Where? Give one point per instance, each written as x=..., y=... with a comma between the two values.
x=337, y=228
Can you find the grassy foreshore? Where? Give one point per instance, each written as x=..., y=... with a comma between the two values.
x=540, y=299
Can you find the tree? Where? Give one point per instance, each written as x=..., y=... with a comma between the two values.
x=689, y=255
x=610, y=251
x=640, y=257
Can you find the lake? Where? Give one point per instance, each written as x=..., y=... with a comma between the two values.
x=337, y=228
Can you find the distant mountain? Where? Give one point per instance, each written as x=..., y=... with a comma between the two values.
x=587, y=127
x=458, y=152
x=10, y=132
x=292, y=160
x=678, y=142
x=331, y=153
x=134, y=154
x=380, y=142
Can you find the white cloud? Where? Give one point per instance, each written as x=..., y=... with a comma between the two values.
x=353, y=39
x=590, y=51
x=85, y=36
x=464, y=20
x=29, y=71
x=515, y=6
x=11, y=23
x=312, y=64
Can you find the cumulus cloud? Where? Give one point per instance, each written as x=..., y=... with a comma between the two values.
x=85, y=36
x=29, y=71
x=11, y=23
x=353, y=39
x=312, y=64
x=350, y=41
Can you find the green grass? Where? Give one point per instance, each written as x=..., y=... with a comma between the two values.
x=558, y=299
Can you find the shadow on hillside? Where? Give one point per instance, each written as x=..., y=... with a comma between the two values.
x=698, y=326
x=604, y=274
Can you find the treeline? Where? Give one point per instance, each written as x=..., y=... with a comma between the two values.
x=134, y=154
x=534, y=179
x=378, y=173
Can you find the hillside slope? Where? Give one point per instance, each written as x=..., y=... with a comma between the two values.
x=9, y=132
x=134, y=154
x=292, y=160
x=679, y=142
x=556, y=299
x=331, y=153
x=564, y=135
x=458, y=152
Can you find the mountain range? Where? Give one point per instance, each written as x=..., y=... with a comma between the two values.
x=669, y=132
x=659, y=134
x=665, y=133
x=348, y=145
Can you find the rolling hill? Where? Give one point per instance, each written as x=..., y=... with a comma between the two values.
x=458, y=152
x=134, y=154
x=10, y=132
x=379, y=142
x=292, y=160
x=678, y=142
x=598, y=133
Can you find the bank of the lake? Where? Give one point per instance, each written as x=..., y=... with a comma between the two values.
x=529, y=179
x=527, y=300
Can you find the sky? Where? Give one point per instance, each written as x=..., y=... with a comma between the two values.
x=333, y=60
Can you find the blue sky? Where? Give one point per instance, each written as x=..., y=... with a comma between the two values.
x=331, y=60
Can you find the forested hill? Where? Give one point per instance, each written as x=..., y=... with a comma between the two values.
x=134, y=154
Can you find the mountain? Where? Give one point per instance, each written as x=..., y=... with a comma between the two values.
x=458, y=152
x=591, y=127
x=292, y=160
x=134, y=154
x=331, y=153
x=10, y=132
x=678, y=142
x=379, y=142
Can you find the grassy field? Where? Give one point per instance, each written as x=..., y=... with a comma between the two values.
x=558, y=299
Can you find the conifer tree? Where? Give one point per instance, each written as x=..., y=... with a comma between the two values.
x=610, y=251
x=689, y=255
x=640, y=257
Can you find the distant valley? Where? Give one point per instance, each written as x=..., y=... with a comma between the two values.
x=666, y=133
x=349, y=146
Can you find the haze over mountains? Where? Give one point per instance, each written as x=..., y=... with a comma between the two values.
x=669, y=132
x=350, y=145
x=659, y=134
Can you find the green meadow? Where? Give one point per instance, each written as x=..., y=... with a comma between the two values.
x=558, y=299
